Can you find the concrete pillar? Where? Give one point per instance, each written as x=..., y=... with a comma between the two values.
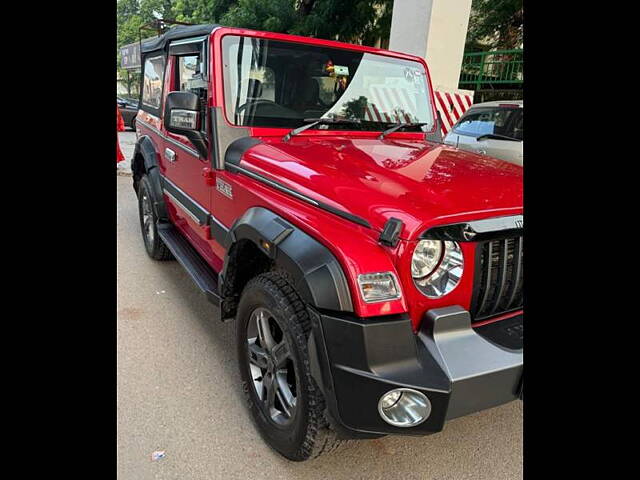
x=435, y=30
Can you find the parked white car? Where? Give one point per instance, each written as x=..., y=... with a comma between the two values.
x=491, y=128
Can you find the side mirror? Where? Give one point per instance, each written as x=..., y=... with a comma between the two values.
x=182, y=116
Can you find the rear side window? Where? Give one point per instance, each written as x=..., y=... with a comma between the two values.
x=152, y=83
x=499, y=120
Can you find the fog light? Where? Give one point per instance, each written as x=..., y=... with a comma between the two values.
x=403, y=407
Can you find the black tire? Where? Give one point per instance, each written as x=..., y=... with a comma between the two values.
x=133, y=124
x=306, y=433
x=153, y=244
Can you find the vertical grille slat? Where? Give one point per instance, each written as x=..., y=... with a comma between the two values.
x=498, y=286
x=486, y=275
x=517, y=272
x=502, y=274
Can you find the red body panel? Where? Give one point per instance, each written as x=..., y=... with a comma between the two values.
x=424, y=184
x=420, y=183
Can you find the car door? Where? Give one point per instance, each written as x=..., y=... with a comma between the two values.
x=185, y=186
x=488, y=120
x=463, y=134
x=509, y=150
x=468, y=143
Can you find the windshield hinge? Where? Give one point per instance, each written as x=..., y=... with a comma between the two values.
x=391, y=232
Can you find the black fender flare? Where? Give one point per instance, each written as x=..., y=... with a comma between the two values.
x=146, y=150
x=316, y=273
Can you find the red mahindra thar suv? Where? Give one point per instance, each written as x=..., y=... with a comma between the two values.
x=374, y=275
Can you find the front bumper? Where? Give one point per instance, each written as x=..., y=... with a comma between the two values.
x=460, y=369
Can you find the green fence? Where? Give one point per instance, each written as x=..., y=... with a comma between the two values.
x=497, y=69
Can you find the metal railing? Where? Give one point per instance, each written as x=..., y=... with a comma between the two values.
x=496, y=69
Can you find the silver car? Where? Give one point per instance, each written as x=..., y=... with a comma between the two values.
x=491, y=128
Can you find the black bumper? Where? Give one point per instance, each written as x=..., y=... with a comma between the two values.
x=460, y=369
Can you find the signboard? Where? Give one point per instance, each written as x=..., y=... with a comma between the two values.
x=130, y=56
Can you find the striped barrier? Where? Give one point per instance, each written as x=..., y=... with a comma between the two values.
x=451, y=106
x=391, y=104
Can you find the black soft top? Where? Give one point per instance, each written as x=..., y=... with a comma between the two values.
x=175, y=33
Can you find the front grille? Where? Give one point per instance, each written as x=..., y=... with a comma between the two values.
x=498, y=278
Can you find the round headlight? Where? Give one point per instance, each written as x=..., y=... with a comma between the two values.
x=445, y=274
x=426, y=258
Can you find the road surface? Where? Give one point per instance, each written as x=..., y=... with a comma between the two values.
x=178, y=393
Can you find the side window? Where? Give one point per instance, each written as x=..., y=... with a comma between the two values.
x=152, y=82
x=326, y=90
x=189, y=75
x=262, y=84
x=491, y=120
x=469, y=124
x=516, y=129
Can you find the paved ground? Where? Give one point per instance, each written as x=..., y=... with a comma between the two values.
x=178, y=392
x=127, y=141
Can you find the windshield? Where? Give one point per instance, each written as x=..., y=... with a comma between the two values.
x=280, y=84
x=492, y=120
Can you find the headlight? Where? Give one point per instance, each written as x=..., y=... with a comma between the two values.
x=426, y=258
x=437, y=267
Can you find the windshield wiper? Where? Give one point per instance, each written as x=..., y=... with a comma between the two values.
x=497, y=137
x=398, y=127
x=318, y=121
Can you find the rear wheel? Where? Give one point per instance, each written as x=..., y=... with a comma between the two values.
x=272, y=328
x=149, y=222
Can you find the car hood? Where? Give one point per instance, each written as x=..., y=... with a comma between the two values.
x=422, y=183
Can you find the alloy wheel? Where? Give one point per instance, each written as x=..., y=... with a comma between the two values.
x=147, y=218
x=271, y=367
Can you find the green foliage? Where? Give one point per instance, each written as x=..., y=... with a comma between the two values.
x=495, y=24
x=200, y=11
x=130, y=16
x=274, y=15
x=357, y=21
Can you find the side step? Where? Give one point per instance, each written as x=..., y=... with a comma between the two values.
x=200, y=272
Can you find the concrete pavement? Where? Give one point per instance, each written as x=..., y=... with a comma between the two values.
x=127, y=142
x=177, y=391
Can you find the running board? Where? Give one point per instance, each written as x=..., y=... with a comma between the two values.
x=200, y=272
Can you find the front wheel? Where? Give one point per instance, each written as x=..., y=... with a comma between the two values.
x=272, y=328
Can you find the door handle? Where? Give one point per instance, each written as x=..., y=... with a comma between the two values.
x=170, y=155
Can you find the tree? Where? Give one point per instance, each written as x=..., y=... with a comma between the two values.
x=130, y=16
x=274, y=15
x=358, y=21
x=354, y=21
x=495, y=24
x=201, y=11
